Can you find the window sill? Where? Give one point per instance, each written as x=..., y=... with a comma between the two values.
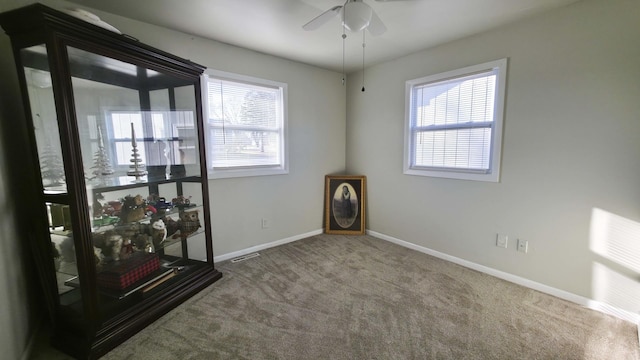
x=460, y=175
x=235, y=173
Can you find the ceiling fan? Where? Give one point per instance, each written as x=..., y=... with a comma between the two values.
x=356, y=16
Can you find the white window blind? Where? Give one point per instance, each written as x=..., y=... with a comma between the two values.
x=454, y=123
x=245, y=121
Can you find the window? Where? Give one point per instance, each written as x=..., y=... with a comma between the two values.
x=453, y=123
x=162, y=137
x=246, y=122
x=121, y=123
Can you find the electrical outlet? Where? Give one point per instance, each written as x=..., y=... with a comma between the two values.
x=523, y=245
x=266, y=223
x=502, y=240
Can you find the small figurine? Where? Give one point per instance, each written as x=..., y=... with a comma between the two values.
x=112, y=208
x=163, y=204
x=102, y=164
x=158, y=233
x=127, y=248
x=114, y=242
x=171, y=225
x=133, y=208
x=99, y=258
x=188, y=223
x=109, y=243
x=150, y=210
x=52, y=167
x=153, y=198
x=97, y=206
x=159, y=203
x=137, y=167
x=142, y=243
x=181, y=202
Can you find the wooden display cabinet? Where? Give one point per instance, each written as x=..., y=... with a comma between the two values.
x=113, y=140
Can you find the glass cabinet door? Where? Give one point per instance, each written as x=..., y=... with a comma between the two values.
x=140, y=155
x=45, y=122
x=139, y=145
x=48, y=146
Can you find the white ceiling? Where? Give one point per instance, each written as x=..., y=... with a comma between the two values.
x=275, y=26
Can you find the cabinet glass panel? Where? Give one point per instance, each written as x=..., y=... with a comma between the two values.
x=135, y=124
x=43, y=112
x=139, y=143
x=64, y=259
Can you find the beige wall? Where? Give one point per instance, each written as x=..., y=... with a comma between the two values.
x=571, y=145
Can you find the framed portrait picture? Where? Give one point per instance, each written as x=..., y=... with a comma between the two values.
x=344, y=204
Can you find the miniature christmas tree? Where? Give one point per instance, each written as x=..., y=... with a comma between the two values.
x=137, y=167
x=51, y=166
x=102, y=164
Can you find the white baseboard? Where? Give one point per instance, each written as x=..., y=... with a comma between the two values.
x=261, y=247
x=565, y=295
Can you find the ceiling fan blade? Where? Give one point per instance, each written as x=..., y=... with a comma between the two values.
x=376, y=27
x=322, y=18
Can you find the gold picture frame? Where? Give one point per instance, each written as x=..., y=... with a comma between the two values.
x=345, y=200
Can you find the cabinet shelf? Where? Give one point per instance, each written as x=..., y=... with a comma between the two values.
x=111, y=223
x=128, y=182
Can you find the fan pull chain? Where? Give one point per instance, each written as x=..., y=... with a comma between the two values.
x=344, y=36
x=363, y=46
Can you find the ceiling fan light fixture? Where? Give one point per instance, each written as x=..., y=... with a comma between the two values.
x=356, y=15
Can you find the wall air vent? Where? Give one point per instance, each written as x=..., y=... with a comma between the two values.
x=244, y=257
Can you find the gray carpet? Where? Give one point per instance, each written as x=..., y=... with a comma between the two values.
x=358, y=297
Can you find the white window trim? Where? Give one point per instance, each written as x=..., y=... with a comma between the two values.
x=283, y=168
x=496, y=142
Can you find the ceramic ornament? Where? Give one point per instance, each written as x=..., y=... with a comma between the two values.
x=51, y=166
x=158, y=233
x=137, y=167
x=102, y=164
